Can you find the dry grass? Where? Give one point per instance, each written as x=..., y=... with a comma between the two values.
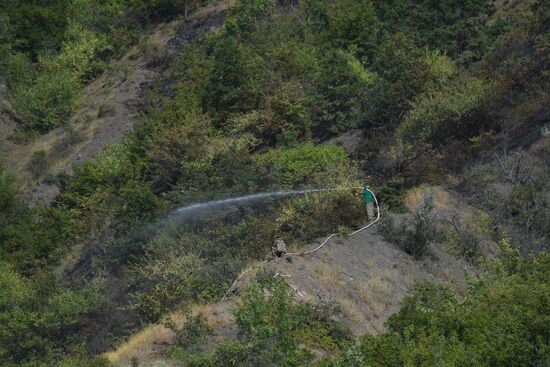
x=379, y=294
x=352, y=311
x=141, y=345
x=215, y=314
x=144, y=344
x=442, y=200
x=329, y=276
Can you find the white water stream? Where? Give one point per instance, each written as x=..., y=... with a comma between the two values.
x=190, y=209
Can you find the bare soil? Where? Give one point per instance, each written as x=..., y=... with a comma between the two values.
x=366, y=277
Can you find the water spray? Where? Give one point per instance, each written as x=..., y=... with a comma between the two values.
x=193, y=208
x=213, y=204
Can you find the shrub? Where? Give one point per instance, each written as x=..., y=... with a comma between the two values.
x=48, y=101
x=462, y=241
x=529, y=207
x=79, y=52
x=247, y=16
x=29, y=237
x=111, y=168
x=413, y=239
x=300, y=165
x=17, y=69
x=286, y=117
x=40, y=320
x=340, y=88
x=8, y=191
x=193, y=333
x=401, y=68
x=162, y=283
x=306, y=218
x=449, y=27
x=275, y=330
x=234, y=84
x=268, y=321
x=37, y=26
x=139, y=203
x=353, y=24
x=38, y=165
x=390, y=194
x=84, y=361
x=451, y=112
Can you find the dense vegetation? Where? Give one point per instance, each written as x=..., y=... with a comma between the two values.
x=432, y=86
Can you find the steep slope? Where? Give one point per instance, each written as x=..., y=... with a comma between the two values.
x=286, y=95
x=360, y=279
x=109, y=107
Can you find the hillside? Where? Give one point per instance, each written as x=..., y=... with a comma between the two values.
x=108, y=107
x=117, y=117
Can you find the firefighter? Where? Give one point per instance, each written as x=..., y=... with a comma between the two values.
x=368, y=198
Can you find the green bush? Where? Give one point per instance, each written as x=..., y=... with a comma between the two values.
x=452, y=26
x=162, y=283
x=48, y=102
x=38, y=165
x=8, y=191
x=247, y=16
x=390, y=195
x=286, y=118
x=275, y=331
x=139, y=203
x=353, y=25
x=401, y=68
x=30, y=237
x=299, y=165
x=37, y=26
x=84, y=361
x=234, y=84
x=308, y=217
x=413, y=239
x=111, y=168
x=38, y=319
x=451, y=112
x=268, y=321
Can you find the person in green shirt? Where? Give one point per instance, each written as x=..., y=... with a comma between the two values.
x=368, y=198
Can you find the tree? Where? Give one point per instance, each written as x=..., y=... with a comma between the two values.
x=234, y=85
